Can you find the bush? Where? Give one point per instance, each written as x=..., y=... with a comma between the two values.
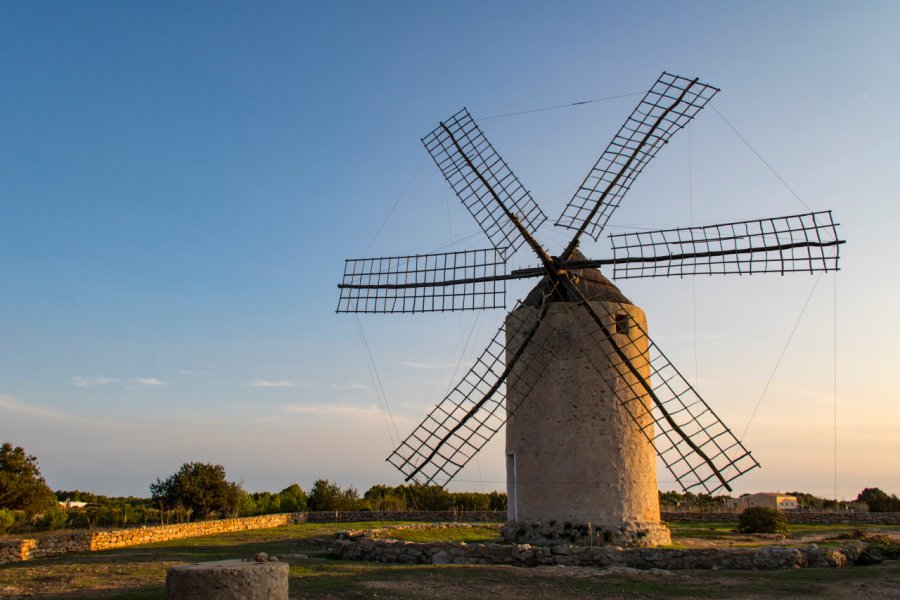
x=54, y=518
x=7, y=519
x=759, y=519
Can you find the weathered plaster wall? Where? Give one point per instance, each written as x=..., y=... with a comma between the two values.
x=569, y=434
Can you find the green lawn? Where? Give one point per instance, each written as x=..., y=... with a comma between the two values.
x=469, y=535
x=797, y=533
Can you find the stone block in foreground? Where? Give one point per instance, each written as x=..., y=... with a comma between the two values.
x=228, y=580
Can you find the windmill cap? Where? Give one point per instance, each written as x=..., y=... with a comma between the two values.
x=590, y=282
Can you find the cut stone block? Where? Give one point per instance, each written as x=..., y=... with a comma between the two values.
x=228, y=580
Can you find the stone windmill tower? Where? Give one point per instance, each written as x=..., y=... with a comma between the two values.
x=587, y=396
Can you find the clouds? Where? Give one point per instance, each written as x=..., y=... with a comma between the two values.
x=291, y=383
x=342, y=411
x=422, y=365
x=281, y=383
x=351, y=385
x=131, y=384
x=136, y=383
x=43, y=414
x=80, y=381
x=10, y=404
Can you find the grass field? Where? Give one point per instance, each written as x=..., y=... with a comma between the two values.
x=139, y=572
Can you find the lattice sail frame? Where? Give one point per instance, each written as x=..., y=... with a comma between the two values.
x=473, y=412
x=461, y=424
x=674, y=405
x=417, y=283
x=468, y=417
x=797, y=243
x=667, y=107
x=476, y=172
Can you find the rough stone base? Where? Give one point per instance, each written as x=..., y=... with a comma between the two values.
x=633, y=534
x=524, y=555
x=228, y=580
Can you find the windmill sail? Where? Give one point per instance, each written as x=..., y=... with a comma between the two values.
x=483, y=182
x=469, y=416
x=691, y=440
x=450, y=281
x=666, y=108
x=798, y=243
x=698, y=449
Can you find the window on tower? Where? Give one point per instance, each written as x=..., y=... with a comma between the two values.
x=623, y=323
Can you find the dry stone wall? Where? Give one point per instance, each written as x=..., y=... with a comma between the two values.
x=445, y=516
x=52, y=544
x=809, y=518
x=827, y=518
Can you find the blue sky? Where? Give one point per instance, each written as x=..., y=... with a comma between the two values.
x=181, y=183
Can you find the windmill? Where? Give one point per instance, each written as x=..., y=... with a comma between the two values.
x=586, y=395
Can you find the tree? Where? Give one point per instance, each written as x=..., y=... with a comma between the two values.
x=470, y=501
x=427, y=497
x=385, y=498
x=878, y=500
x=22, y=487
x=329, y=496
x=200, y=488
x=812, y=502
x=292, y=499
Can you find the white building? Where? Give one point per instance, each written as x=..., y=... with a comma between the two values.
x=768, y=499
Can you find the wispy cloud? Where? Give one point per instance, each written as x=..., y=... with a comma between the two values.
x=422, y=365
x=335, y=410
x=10, y=404
x=191, y=372
x=281, y=383
x=93, y=381
x=14, y=405
x=150, y=381
x=466, y=364
x=352, y=385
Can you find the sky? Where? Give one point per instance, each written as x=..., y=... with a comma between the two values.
x=181, y=183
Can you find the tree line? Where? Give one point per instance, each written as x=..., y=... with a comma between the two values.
x=200, y=491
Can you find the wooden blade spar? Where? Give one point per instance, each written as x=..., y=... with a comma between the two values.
x=667, y=107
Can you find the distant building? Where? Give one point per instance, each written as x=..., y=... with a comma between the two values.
x=71, y=504
x=767, y=499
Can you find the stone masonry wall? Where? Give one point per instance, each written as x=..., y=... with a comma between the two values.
x=828, y=518
x=445, y=516
x=809, y=518
x=52, y=544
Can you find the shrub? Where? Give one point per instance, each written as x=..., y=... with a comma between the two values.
x=760, y=519
x=7, y=518
x=54, y=518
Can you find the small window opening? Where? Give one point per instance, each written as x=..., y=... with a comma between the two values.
x=623, y=323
